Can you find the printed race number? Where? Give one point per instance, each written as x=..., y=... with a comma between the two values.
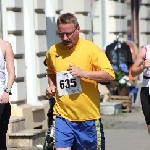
x=66, y=84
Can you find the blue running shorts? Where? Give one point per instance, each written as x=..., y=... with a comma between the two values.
x=84, y=135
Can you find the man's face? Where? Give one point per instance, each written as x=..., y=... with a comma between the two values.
x=69, y=34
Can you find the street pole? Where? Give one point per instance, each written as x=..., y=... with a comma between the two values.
x=132, y=19
x=135, y=6
x=50, y=23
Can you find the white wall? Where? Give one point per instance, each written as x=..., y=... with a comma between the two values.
x=30, y=26
x=144, y=22
x=24, y=26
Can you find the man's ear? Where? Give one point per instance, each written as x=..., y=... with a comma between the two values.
x=78, y=29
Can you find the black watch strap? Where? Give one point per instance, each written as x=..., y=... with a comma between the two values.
x=8, y=91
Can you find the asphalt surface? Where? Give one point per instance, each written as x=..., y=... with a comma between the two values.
x=126, y=131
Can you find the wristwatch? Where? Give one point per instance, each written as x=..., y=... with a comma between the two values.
x=7, y=90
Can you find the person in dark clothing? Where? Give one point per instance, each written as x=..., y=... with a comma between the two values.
x=119, y=55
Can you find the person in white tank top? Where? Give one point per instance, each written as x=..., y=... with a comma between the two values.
x=6, y=63
x=142, y=64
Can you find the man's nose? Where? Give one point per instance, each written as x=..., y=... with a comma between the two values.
x=65, y=37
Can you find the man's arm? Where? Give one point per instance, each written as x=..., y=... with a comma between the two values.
x=9, y=56
x=139, y=64
x=100, y=76
x=51, y=89
x=52, y=80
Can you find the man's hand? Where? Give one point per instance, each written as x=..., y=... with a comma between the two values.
x=76, y=72
x=50, y=91
x=5, y=98
x=146, y=64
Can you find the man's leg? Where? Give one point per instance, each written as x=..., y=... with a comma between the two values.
x=89, y=135
x=64, y=136
x=4, y=121
x=145, y=101
x=148, y=127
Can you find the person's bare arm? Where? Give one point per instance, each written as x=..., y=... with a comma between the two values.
x=100, y=76
x=9, y=56
x=139, y=64
x=52, y=80
x=51, y=89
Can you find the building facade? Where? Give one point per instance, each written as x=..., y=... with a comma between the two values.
x=30, y=27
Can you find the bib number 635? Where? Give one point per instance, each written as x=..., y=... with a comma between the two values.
x=67, y=83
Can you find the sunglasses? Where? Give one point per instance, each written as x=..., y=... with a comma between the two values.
x=68, y=34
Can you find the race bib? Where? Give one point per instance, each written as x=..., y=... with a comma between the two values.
x=66, y=84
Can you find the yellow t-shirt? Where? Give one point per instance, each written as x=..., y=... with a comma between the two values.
x=87, y=56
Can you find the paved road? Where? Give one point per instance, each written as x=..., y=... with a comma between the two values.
x=124, y=131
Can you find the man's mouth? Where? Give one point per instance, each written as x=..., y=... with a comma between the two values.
x=67, y=42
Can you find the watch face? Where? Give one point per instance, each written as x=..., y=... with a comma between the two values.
x=7, y=90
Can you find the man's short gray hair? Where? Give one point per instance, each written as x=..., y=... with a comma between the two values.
x=67, y=18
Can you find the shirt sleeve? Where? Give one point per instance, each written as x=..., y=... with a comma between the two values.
x=101, y=62
x=50, y=63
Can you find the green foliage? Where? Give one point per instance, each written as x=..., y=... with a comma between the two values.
x=121, y=78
